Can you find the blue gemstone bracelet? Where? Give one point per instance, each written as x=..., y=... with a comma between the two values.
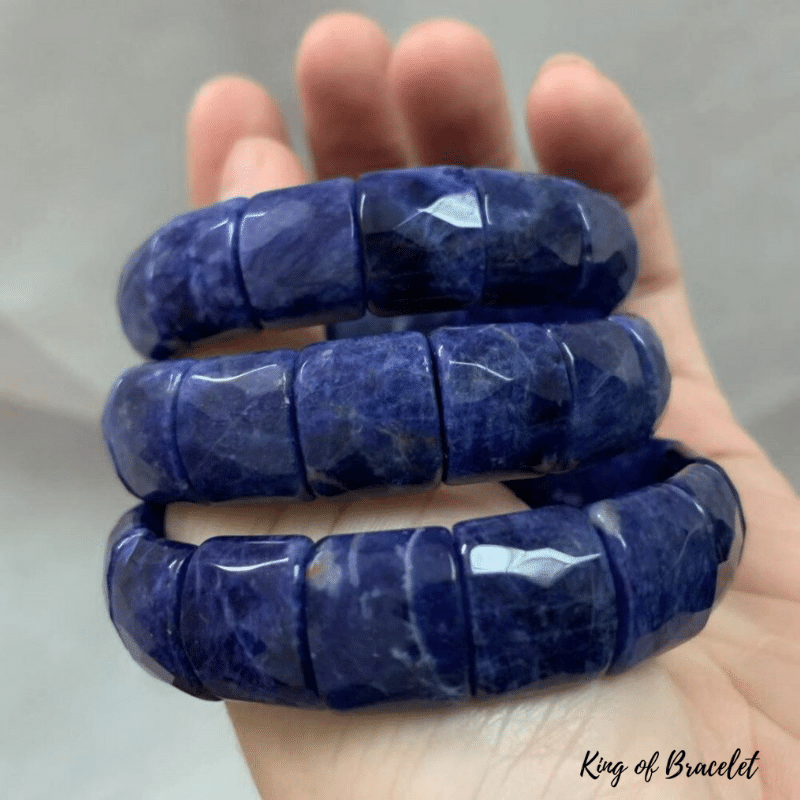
x=614, y=563
x=398, y=242
x=388, y=413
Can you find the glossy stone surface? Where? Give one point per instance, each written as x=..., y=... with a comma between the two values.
x=534, y=238
x=664, y=561
x=613, y=406
x=652, y=461
x=300, y=254
x=505, y=398
x=243, y=621
x=385, y=618
x=422, y=236
x=610, y=256
x=236, y=429
x=540, y=597
x=708, y=484
x=367, y=415
x=653, y=359
x=144, y=575
x=183, y=283
x=139, y=431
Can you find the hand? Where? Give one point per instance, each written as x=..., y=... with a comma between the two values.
x=438, y=97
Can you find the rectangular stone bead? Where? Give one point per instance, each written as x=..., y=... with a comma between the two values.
x=534, y=238
x=144, y=576
x=540, y=599
x=300, y=254
x=712, y=490
x=423, y=242
x=663, y=558
x=243, y=621
x=386, y=618
x=367, y=415
x=139, y=431
x=236, y=428
x=505, y=399
x=612, y=407
x=184, y=283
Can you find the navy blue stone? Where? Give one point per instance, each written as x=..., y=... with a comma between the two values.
x=423, y=242
x=610, y=257
x=385, y=618
x=367, y=415
x=664, y=561
x=145, y=574
x=711, y=488
x=534, y=238
x=300, y=254
x=654, y=360
x=236, y=427
x=613, y=406
x=653, y=461
x=243, y=620
x=505, y=398
x=541, y=601
x=183, y=283
x=139, y=430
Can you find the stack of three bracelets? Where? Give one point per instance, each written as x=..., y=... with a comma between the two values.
x=468, y=341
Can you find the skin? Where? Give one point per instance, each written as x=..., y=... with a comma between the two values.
x=435, y=97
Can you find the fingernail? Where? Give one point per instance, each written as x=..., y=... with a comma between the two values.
x=240, y=172
x=565, y=59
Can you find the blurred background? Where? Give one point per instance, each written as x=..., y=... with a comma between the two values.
x=93, y=98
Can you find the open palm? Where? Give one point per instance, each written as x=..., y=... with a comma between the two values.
x=437, y=98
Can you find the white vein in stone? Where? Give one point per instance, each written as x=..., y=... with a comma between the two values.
x=544, y=566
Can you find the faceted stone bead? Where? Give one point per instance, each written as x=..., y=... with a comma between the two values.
x=139, y=430
x=711, y=488
x=236, y=428
x=367, y=415
x=610, y=257
x=423, y=239
x=534, y=238
x=386, y=619
x=653, y=359
x=243, y=621
x=183, y=283
x=144, y=574
x=652, y=461
x=612, y=406
x=664, y=561
x=300, y=254
x=505, y=398
x=540, y=597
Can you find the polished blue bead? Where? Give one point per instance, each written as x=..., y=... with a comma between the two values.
x=711, y=488
x=534, y=238
x=236, y=428
x=610, y=257
x=139, y=430
x=613, y=406
x=243, y=620
x=367, y=415
x=540, y=598
x=300, y=254
x=385, y=618
x=184, y=284
x=652, y=357
x=664, y=561
x=422, y=234
x=145, y=575
x=505, y=398
x=652, y=461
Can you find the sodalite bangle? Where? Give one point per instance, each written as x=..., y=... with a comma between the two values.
x=615, y=563
x=396, y=242
x=387, y=413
